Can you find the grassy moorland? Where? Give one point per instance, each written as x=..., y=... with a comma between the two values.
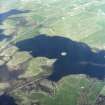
x=81, y=20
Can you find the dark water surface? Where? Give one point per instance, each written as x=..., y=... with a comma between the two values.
x=4, y=16
x=6, y=99
x=72, y=57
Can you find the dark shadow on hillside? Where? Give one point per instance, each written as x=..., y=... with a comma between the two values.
x=8, y=73
x=3, y=36
x=72, y=57
x=1, y=30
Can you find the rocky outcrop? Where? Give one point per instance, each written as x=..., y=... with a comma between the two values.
x=100, y=100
